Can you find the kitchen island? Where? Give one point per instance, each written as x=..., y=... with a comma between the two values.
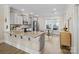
x=31, y=42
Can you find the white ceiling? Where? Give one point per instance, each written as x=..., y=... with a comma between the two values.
x=42, y=9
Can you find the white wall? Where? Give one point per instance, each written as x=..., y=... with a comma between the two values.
x=4, y=14
x=71, y=14
x=42, y=21
x=1, y=23
x=78, y=26
x=59, y=19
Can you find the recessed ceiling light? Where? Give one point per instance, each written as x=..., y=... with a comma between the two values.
x=22, y=9
x=54, y=9
x=55, y=12
x=36, y=15
x=31, y=13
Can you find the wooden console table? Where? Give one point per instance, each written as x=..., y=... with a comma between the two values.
x=65, y=39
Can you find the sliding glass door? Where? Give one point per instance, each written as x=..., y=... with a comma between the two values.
x=52, y=25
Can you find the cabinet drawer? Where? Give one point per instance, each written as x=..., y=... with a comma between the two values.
x=65, y=38
x=66, y=43
x=25, y=42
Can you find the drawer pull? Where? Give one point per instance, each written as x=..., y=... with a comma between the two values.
x=29, y=38
x=15, y=36
x=21, y=37
x=10, y=34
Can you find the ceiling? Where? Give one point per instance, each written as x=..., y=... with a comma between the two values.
x=42, y=9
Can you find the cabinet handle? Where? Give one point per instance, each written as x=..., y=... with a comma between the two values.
x=21, y=37
x=29, y=38
x=15, y=36
x=10, y=34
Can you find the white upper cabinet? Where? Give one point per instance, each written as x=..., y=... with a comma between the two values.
x=18, y=17
x=15, y=18
x=12, y=18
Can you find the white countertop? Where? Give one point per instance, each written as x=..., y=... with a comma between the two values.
x=32, y=34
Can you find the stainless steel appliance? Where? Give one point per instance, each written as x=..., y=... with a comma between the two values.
x=35, y=26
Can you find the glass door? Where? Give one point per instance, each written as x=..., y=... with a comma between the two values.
x=52, y=26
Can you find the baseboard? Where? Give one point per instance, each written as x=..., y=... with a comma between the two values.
x=74, y=50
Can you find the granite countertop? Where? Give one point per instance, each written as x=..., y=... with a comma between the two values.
x=33, y=34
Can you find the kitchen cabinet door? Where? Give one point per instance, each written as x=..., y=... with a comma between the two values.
x=14, y=40
x=12, y=18
x=7, y=37
x=15, y=18
x=24, y=42
x=11, y=39
x=35, y=43
x=20, y=19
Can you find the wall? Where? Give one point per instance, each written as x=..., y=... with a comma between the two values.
x=1, y=23
x=75, y=31
x=4, y=14
x=42, y=21
x=71, y=15
x=7, y=17
x=59, y=19
x=78, y=27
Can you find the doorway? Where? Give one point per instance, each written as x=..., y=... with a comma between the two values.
x=52, y=26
